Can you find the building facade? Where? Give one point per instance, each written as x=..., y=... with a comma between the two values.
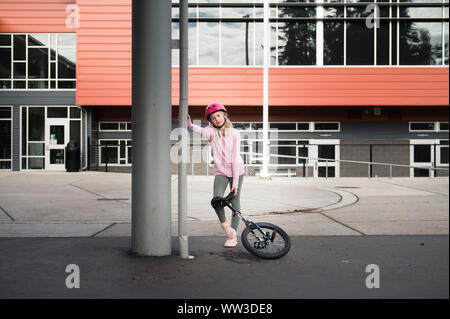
x=349, y=80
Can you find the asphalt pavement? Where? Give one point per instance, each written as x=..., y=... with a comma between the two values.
x=316, y=267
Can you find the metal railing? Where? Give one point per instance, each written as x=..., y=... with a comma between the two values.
x=369, y=164
x=305, y=163
x=307, y=160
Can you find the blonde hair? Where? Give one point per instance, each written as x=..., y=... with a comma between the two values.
x=228, y=127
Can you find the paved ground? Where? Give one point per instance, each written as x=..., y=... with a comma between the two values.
x=338, y=228
x=99, y=204
x=316, y=267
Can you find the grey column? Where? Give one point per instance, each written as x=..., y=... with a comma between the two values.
x=182, y=117
x=151, y=115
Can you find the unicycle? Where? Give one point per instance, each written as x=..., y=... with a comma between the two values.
x=264, y=240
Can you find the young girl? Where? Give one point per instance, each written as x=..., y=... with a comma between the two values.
x=228, y=165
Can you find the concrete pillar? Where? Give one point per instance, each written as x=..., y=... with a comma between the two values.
x=183, y=111
x=151, y=115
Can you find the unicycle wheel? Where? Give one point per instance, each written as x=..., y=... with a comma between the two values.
x=273, y=242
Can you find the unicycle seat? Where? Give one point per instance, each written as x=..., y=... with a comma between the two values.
x=220, y=202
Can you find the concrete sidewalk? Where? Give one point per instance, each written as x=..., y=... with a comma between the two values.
x=97, y=204
x=84, y=218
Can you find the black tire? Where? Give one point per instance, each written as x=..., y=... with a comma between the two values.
x=275, y=249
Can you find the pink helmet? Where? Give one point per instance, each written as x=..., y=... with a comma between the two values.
x=212, y=108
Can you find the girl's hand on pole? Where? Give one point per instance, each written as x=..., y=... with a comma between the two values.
x=234, y=190
x=189, y=122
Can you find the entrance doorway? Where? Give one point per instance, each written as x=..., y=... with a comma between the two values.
x=328, y=151
x=422, y=155
x=45, y=132
x=56, y=139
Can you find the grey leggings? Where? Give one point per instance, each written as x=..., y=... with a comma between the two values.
x=220, y=185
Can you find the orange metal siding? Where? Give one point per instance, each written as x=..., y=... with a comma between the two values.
x=299, y=86
x=104, y=67
x=359, y=86
x=34, y=16
x=231, y=86
x=104, y=52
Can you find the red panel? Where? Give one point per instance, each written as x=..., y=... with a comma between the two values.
x=359, y=86
x=104, y=67
x=34, y=16
x=289, y=87
x=104, y=53
x=231, y=86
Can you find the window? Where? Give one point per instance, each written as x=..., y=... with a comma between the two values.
x=333, y=37
x=256, y=150
x=115, y=152
x=289, y=126
x=115, y=126
x=109, y=126
x=421, y=126
x=5, y=68
x=33, y=137
x=421, y=43
x=5, y=112
x=5, y=137
x=109, y=152
x=283, y=147
x=283, y=126
x=222, y=34
x=303, y=151
x=296, y=43
x=360, y=38
x=326, y=126
x=37, y=61
x=442, y=153
x=428, y=126
x=409, y=32
x=422, y=153
x=443, y=126
x=256, y=126
x=208, y=43
x=57, y=112
x=324, y=171
x=241, y=126
x=245, y=149
x=303, y=126
x=237, y=49
x=326, y=152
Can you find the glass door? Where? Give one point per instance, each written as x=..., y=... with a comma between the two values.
x=56, y=139
x=422, y=155
x=328, y=151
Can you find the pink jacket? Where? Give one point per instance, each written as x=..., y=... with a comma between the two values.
x=226, y=152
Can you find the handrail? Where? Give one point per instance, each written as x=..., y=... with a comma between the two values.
x=351, y=161
x=391, y=165
x=307, y=159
